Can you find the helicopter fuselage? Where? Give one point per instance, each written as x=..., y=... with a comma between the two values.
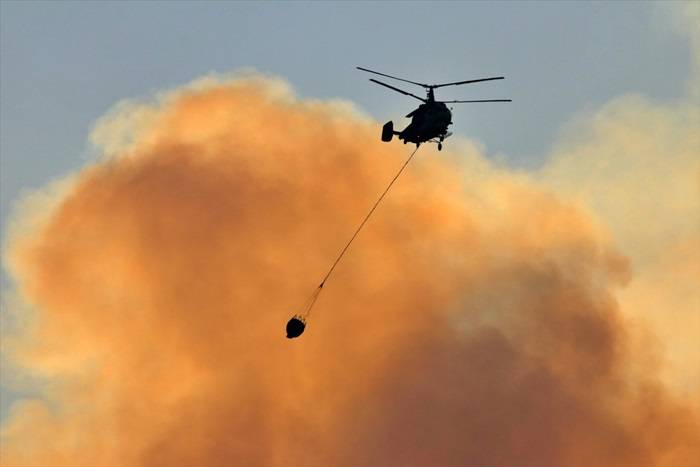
x=429, y=121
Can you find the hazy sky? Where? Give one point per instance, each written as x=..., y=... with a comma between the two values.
x=65, y=63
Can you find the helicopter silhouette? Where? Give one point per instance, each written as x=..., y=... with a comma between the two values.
x=430, y=120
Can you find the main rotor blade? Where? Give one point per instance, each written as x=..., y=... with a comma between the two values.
x=392, y=77
x=481, y=100
x=397, y=89
x=467, y=82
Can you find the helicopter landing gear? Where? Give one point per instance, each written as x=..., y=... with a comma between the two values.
x=442, y=138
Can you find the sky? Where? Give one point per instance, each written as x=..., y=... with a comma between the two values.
x=64, y=64
x=175, y=175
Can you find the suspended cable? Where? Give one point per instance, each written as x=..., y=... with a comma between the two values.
x=364, y=221
x=299, y=321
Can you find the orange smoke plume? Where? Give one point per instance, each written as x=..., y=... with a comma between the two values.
x=473, y=321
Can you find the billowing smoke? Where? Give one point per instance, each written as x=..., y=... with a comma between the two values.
x=473, y=322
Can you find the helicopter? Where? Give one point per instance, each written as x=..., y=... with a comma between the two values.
x=430, y=120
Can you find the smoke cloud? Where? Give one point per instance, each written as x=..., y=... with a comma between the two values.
x=475, y=321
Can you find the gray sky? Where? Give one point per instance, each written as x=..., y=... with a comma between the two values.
x=64, y=64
